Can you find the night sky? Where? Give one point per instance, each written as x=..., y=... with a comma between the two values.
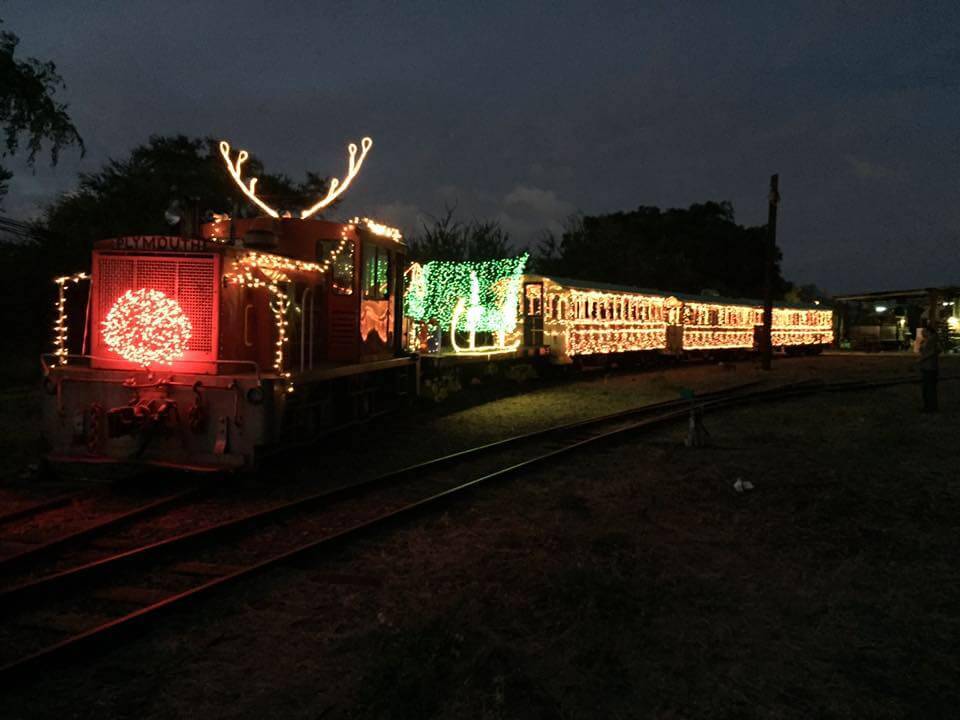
x=527, y=112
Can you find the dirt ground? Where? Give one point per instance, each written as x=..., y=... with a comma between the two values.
x=632, y=581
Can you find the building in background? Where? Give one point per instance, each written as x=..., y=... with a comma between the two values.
x=888, y=319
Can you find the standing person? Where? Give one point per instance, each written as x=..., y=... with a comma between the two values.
x=928, y=345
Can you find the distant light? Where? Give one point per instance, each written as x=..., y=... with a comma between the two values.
x=816, y=302
x=953, y=322
x=881, y=308
x=946, y=304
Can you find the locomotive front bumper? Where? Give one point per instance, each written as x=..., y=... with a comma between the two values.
x=183, y=420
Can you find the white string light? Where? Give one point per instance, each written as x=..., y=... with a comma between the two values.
x=60, y=350
x=265, y=270
x=235, y=168
x=336, y=187
x=378, y=228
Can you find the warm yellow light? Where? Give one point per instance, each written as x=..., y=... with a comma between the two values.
x=60, y=349
x=378, y=228
x=336, y=187
x=593, y=322
x=497, y=349
x=270, y=271
x=235, y=168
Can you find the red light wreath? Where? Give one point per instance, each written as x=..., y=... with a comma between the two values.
x=147, y=327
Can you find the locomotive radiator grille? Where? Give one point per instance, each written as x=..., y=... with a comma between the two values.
x=195, y=295
x=191, y=281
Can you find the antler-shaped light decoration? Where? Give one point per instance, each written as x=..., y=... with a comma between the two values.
x=235, y=170
x=336, y=187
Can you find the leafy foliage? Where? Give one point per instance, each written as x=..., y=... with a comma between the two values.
x=28, y=107
x=685, y=250
x=449, y=239
x=804, y=293
x=130, y=197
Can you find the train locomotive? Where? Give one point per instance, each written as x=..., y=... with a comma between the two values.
x=207, y=353
x=211, y=350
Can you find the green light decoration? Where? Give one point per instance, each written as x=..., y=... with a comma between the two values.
x=468, y=296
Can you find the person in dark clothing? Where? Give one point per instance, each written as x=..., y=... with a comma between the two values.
x=928, y=346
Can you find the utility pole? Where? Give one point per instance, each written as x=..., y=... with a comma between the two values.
x=766, y=336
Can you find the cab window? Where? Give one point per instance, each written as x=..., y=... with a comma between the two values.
x=376, y=272
x=342, y=267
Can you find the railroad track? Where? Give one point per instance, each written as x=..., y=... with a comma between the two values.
x=31, y=537
x=76, y=610
x=34, y=509
x=112, y=541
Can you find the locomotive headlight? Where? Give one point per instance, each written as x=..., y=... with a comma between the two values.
x=255, y=395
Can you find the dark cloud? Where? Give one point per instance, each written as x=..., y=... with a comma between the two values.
x=525, y=111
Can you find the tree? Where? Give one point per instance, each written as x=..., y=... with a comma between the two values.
x=486, y=241
x=448, y=239
x=804, y=293
x=130, y=197
x=683, y=250
x=547, y=256
x=28, y=108
x=442, y=239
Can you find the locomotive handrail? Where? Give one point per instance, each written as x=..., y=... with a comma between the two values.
x=306, y=310
x=48, y=362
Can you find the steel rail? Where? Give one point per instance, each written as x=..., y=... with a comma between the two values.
x=108, y=523
x=18, y=594
x=42, y=506
x=114, y=628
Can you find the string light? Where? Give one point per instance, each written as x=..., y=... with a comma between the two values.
x=379, y=228
x=276, y=266
x=235, y=168
x=146, y=327
x=268, y=261
x=593, y=322
x=60, y=345
x=336, y=187
x=279, y=305
x=794, y=326
x=597, y=322
x=718, y=326
x=471, y=296
x=265, y=270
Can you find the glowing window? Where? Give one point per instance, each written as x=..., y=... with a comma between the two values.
x=342, y=265
x=376, y=272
